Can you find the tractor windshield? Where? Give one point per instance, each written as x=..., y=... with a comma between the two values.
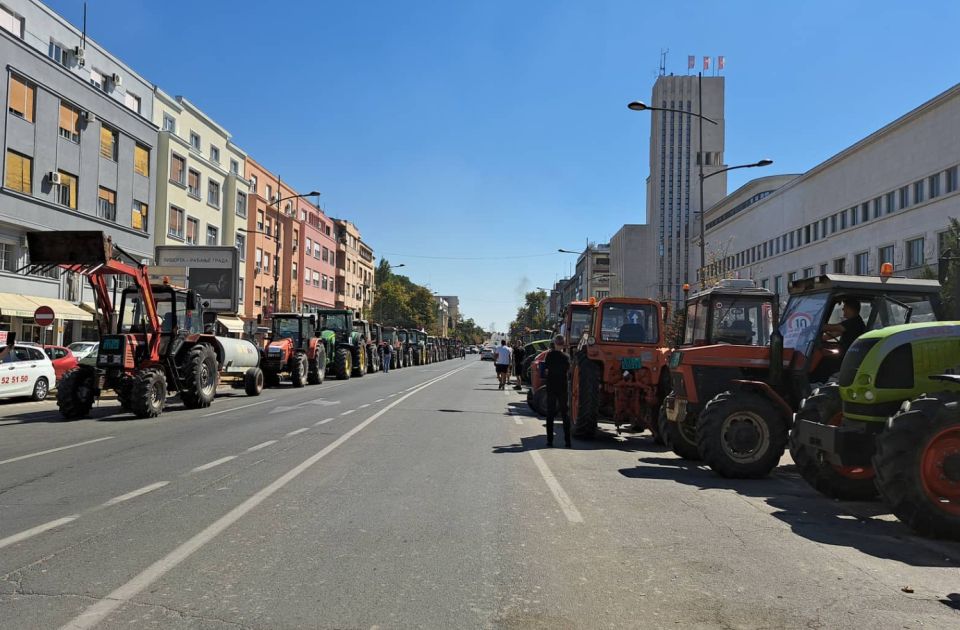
x=170, y=312
x=288, y=328
x=742, y=320
x=390, y=336
x=334, y=321
x=579, y=323
x=801, y=321
x=630, y=323
x=403, y=335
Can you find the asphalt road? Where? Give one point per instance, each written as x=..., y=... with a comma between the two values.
x=425, y=498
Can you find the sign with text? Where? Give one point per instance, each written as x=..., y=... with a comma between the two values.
x=212, y=272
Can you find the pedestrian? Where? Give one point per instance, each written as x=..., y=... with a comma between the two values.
x=557, y=364
x=518, y=355
x=502, y=363
x=387, y=357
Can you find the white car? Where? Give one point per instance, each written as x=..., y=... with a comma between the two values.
x=26, y=371
x=486, y=354
x=81, y=349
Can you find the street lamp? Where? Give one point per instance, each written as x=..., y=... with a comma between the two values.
x=568, y=251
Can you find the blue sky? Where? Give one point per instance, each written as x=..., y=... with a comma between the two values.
x=493, y=129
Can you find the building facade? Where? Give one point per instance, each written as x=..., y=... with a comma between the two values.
x=355, y=285
x=453, y=304
x=79, y=153
x=315, y=253
x=628, y=253
x=269, y=241
x=592, y=272
x=887, y=198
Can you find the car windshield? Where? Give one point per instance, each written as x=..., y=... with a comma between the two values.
x=629, y=323
x=81, y=346
x=334, y=321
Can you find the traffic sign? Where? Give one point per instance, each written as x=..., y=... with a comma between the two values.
x=43, y=316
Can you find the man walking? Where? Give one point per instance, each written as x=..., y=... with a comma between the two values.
x=556, y=365
x=502, y=363
x=387, y=357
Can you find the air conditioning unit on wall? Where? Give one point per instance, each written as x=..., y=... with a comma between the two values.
x=117, y=80
x=55, y=178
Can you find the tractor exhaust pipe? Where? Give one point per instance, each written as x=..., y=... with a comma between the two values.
x=776, y=346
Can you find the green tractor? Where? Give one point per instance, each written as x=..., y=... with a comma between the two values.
x=418, y=346
x=346, y=352
x=891, y=425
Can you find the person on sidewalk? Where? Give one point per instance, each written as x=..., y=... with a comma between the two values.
x=518, y=355
x=387, y=357
x=502, y=363
x=556, y=365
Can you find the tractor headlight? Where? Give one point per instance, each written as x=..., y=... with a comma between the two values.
x=853, y=395
x=869, y=395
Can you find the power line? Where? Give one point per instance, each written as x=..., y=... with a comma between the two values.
x=467, y=257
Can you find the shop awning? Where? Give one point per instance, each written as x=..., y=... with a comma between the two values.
x=15, y=305
x=231, y=323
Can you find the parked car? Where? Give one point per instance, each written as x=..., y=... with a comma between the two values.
x=26, y=371
x=486, y=354
x=63, y=359
x=81, y=349
x=472, y=350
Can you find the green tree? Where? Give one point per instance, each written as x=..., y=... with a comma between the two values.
x=949, y=269
x=532, y=315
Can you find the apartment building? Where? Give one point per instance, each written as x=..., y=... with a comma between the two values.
x=314, y=263
x=592, y=275
x=453, y=307
x=887, y=198
x=269, y=240
x=629, y=251
x=355, y=285
x=79, y=153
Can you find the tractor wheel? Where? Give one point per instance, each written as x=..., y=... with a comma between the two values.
x=741, y=435
x=253, y=381
x=343, y=364
x=360, y=362
x=77, y=392
x=317, y=368
x=537, y=400
x=200, y=381
x=298, y=370
x=588, y=397
x=271, y=378
x=918, y=466
x=149, y=393
x=850, y=483
x=124, y=392
x=680, y=436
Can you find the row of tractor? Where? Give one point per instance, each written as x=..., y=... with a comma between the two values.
x=156, y=339
x=734, y=383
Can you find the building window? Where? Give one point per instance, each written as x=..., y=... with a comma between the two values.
x=241, y=245
x=109, y=139
x=240, y=290
x=843, y=220
x=213, y=193
x=808, y=272
x=951, y=175
x=132, y=101
x=178, y=169
x=269, y=193
x=258, y=259
x=934, y=183
x=213, y=235
x=885, y=255
x=269, y=229
x=253, y=183
x=234, y=167
x=854, y=216
x=69, y=122
x=861, y=264
x=918, y=191
x=7, y=257
x=293, y=271
x=904, y=197
x=193, y=183
x=316, y=279
x=241, y=205
x=791, y=277
x=823, y=269
x=316, y=250
x=21, y=97
x=141, y=160
x=11, y=22
x=195, y=140
x=877, y=207
x=193, y=230
x=57, y=52
x=840, y=265
x=175, y=227
x=259, y=220
x=915, y=257
x=96, y=79
x=309, y=246
x=139, y=216
x=864, y=212
x=891, y=202
x=266, y=262
x=67, y=190
x=107, y=204
x=169, y=123
x=326, y=255
x=214, y=154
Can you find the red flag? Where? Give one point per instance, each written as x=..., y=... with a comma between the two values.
x=706, y=63
x=691, y=61
x=720, y=62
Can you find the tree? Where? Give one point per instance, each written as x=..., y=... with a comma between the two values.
x=532, y=315
x=949, y=269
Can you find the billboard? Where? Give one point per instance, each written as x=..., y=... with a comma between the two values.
x=212, y=272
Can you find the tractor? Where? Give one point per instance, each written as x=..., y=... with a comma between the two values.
x=296, y=350
x=153, y=345
x=738, y=399
x=619, y=370
x=417, y=340
x=576, y=318
x=392, y=337
x=370, y=361
x=348, y=353
x=407, y=343
x=431, y=348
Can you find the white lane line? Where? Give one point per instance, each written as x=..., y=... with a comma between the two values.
x=53, y=450
x=378, y=400
x=391, y=395
x=324, y=421
x=216, y=462
x=569, y=509
x=217, y=413
x=261, y=445
x=39, y=529
x=364, y=406
x=298, y=431
x=97, y=612
x=135, y=493
x=347, y=413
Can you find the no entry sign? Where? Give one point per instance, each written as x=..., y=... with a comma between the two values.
x=43, y=316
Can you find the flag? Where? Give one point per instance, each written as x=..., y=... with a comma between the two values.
x=720, y=62
x=691, y=62
x=706, y=63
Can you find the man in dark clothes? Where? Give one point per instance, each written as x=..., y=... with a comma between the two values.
x=557, y=364
x=518, y=354
x=851, y=327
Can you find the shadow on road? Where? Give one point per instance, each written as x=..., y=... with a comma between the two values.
x=811, y=515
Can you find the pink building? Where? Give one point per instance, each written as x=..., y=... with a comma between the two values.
x=316, y=257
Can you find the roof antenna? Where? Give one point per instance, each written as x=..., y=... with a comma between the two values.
x=83, y=40
x=663, y=61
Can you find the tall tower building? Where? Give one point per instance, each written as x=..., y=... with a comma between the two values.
x=673, y=185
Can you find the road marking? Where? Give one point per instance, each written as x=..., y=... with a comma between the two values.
x=364, y=406
x=317, y=424
x=216, y=462
x=53, y=450
x=347, y=413
x=261, y=445
x=569, y=509
x=98, y=611
x=378, y=400
x=39, y=529
x=217, y=413
x=135, y=493
x=298, y=431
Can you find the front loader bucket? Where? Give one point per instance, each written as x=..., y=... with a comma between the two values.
x=69, y=247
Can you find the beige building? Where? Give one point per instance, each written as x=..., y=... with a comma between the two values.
x=355, y=286
x=627, y=256
x=887, y=198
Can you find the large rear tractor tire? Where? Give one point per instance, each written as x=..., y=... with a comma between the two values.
x=741, y=435
x=253, y=381
x=850, y=483
x=298, y=370
x=918, y=465
x=587, y=400
x=680, y=436
x=343, y=364
x=200, y=377
x=317, y=367
x=77, y=392
x=537, y=400
x=360, y=362
x=149, y=393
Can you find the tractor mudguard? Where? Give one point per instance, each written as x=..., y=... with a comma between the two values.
x=759, y=387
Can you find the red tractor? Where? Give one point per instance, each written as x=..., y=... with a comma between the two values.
x=153, y=345
x=295, y=349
